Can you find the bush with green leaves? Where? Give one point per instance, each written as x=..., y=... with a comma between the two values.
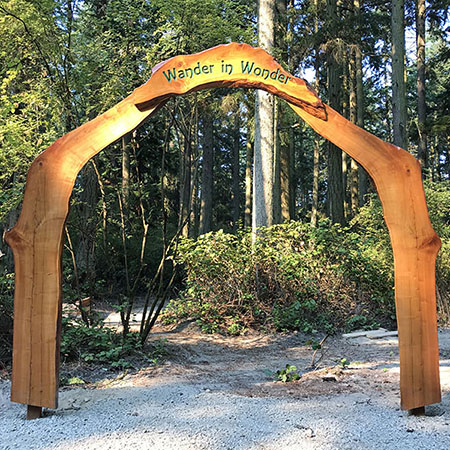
x=97, y=345
x=296, y=277
x=104, y=346
x=370, y=222
x=438, y=200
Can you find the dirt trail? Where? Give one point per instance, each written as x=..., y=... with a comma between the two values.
x=240, y=364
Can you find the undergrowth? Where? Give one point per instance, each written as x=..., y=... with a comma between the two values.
x=296, y=277
x=104, y=346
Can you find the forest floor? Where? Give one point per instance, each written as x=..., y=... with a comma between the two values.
x=215, y=392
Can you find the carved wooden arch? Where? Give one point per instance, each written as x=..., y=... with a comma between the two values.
x=37, y=238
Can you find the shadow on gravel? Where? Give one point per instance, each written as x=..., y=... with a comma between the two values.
x=214, y=394
x=178, y=415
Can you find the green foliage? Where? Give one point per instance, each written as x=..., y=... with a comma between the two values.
x=370, y=221
x=285, y=375
x=97, y=345
x=104, y=346
x=6, y=293
x=344, y=362
x=191, y=26
x=295, y=277
x=315, y=345
x=438, y=200
x=72, y=381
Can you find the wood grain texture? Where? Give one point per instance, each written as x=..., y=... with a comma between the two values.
x=37, y=241
x=397, y=176
x=37, y=238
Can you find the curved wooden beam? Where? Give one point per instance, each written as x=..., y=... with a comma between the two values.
x=37, y=238
x=397, y=176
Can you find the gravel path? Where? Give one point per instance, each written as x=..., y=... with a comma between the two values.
x=186, y=405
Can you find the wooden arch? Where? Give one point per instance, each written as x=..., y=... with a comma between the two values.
x=37, y=238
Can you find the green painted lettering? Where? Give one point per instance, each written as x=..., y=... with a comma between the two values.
x=274, y=74
x=281, y=77
x=170, y=75
x=205, y=69
x=246, y=68
x=197, y=69
x=265, y=73
x=188, y=72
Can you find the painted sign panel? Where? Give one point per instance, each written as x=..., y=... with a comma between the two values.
x=233, y=65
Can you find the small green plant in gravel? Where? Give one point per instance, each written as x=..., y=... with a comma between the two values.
x=315, y=345
x=286, y=375
x=344, y=363
x=71, y=381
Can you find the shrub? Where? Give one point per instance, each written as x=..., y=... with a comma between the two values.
x=370, y=222
x=438, y=200
x=97, y=345
x=295, y=277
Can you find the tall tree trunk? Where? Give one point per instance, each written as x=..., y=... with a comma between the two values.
x=286, y=178
x=236, y=171
x=301, y=178
x=292, y=176
x=126, y=169
x=353, y=115
x=399, y=115
x=335, y=191
x=276, y=162
x=85, y=254
x=347, y=165
x=437, y=160
x=315, y=186
x=433, y=158
x=207, y=174
x=282, y=155
x=291, y=136
x=421, y=104
x=185, y=184
x=363, y=176
x=264, y=136
x=194, y=219
x=346, y=113
x=248, y=178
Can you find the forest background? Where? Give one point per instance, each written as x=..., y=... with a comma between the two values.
x=170, y=212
